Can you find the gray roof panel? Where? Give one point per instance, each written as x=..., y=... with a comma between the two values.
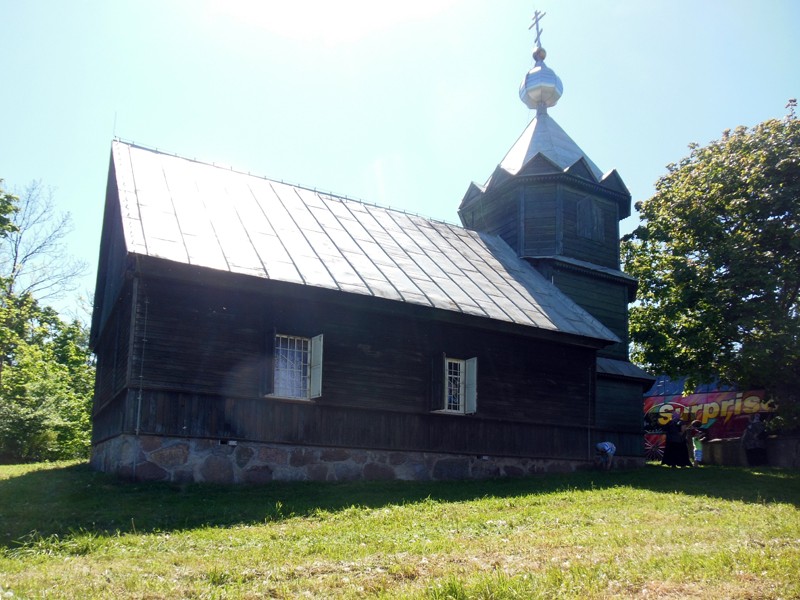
x=544, y=136
x=203, y=215
x=622, y=368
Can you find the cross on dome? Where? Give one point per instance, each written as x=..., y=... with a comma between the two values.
x=537, y=16
x=541, y=87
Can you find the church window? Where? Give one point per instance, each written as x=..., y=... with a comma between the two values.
x=297, y=367
x=460, y=393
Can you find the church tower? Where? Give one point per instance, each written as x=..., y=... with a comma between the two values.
x=558, y=211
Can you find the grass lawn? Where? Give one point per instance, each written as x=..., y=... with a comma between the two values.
x=68, y=532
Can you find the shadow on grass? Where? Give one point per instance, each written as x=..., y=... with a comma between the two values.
x=60, y=500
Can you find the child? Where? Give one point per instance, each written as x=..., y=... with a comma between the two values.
x=605, y=454
x=696, y=436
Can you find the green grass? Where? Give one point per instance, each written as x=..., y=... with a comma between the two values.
x=68, y=532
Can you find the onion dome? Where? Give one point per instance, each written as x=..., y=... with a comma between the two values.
x=541, y=87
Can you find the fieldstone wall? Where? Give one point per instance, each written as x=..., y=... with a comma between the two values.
x=726, y=452
x=155, y=458
x=784, y=451
x=781, y=452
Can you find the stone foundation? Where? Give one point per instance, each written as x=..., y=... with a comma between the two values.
x=781, y=452
x=155, y=458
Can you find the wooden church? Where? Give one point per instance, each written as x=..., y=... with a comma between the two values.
x=247, y=330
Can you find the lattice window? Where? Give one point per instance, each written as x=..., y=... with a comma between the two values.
x=297, y=367
x=291, y=366
x=460, y=393
x=455, y=385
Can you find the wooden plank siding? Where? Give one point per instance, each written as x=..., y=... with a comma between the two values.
x=316, y=424
x=216, y=344
x=604, y=252
x=619, y=404
x=501, y=217
x=112, y=417
x=541, y=220
x=112, y=350
x=113, y=261
x=618, y=415
x=201, y=352
x=604, y=299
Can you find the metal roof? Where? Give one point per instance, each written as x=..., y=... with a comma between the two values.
x=544, y=136
x=621, y=368
x=200, y=214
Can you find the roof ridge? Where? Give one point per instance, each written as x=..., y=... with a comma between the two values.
x=284, y=182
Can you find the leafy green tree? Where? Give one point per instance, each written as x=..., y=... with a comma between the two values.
x=717, y=256
x=8, y=206
x=47, y=383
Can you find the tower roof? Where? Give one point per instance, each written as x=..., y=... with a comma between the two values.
x=544, y=136
x=541, y=89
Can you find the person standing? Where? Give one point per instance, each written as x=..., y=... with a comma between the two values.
x=754, y=441
x=694, y=441
x=676, y=454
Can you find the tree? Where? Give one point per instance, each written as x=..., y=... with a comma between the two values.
x=46, y=367
x=717, y=256
x=8, y=206
x=33, y=258
x=47, y=384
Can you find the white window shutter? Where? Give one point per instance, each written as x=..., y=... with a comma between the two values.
x=471, y=389
x=315, y=367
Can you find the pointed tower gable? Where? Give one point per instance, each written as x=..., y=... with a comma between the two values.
x=581, y=168
x=474, y=191
x=613, y=181
x=498, y=177
x=540, y=164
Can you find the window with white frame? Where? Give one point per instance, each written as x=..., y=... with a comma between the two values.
x=297, y=367
x=460, y=389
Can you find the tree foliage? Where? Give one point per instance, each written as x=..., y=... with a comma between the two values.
x=717, y=256
x=46, y=368
x=46, y=383
x=33, y=259
x=8, y=206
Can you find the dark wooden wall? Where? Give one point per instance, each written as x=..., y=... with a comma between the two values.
x=618, y=414
x=113, y=260
x=603, y=252
x=258, y=420
x=214, y=341
x=541, y=221
x=540, y=218
x=201, y=351
x=500, y=216
x=619, y=404
x=112, y=348
x=604, y=299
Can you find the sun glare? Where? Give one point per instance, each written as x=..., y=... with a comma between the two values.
x=343, y=21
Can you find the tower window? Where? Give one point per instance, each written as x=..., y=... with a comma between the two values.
x=590, y=220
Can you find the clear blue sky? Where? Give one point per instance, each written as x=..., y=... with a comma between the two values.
x=400, y=104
